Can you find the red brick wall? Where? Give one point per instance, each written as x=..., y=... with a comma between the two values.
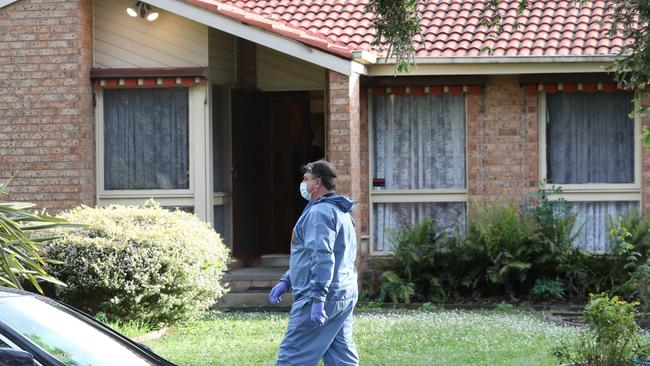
x=502, y=142
x=46, y=123
x=347, y=149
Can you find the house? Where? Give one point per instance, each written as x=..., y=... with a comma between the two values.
x=214, y=106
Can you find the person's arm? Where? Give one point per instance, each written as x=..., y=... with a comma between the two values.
x=284, y=285
x=320, y=234
x=286, y=279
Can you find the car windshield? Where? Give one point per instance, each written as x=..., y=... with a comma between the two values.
x=69, y=339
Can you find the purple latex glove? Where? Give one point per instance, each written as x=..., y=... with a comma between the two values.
x=318, y=313
x=275, y=296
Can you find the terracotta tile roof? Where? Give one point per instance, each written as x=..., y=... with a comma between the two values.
x=450, y=27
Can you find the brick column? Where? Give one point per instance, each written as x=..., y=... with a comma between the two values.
x=502, y=141
x=46, y=115
x=344, y=143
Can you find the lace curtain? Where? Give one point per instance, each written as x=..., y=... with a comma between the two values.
x=146, y=139
x=419, y=143
x=590, y=138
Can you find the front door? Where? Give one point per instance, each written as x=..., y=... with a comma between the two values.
x=286, y=150
x=274, y=134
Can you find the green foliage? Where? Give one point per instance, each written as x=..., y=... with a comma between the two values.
x=548, y=289
x=22, y=257
x=613, y=338
x=520, y=251
x=630, y=249
x=395, y=288
x=139, y=263
x=508, y=240
x=504, y=307
x=398, y=22
x=428, y=307
x=640, y=283
x=426, y=257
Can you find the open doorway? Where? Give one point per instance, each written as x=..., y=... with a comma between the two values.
x=274, y=134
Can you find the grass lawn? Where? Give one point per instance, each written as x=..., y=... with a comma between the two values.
x=383, y=338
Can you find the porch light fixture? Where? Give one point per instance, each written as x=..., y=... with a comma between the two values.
x=143, y=10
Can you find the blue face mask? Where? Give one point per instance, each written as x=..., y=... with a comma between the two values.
x=304, y=192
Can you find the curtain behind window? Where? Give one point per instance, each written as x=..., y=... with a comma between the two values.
x=591, y=220
x=388, y=217
x=590, y=138
x=146, y=138
x=419, y=141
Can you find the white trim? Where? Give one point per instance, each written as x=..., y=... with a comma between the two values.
x=506, y=59
x=199, y=193
x=484, y=68
x=418, y=196
x=4, y=3
x=221, y=199
x=199, y=160
x=138, y=201
x=253, y=34
x=598, y=196
x=99, y=142
x=358, y=68
x=594, y=191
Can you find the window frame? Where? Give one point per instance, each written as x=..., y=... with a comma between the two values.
x=441, y=195
x=591, y=192
x=199, y=181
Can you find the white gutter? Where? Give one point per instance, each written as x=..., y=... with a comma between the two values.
x=256, y=35
x=4, y=3
x=503, y=59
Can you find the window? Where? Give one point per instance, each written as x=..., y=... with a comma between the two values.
x=146, y=139
x=418, y=162
x=590, y=148
x=151, y=143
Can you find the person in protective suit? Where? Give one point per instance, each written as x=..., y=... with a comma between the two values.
x=321, y=275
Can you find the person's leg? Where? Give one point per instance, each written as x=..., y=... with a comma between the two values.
x=343, y=351
x=305, y=342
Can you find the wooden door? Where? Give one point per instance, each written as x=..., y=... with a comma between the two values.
x=286, y=149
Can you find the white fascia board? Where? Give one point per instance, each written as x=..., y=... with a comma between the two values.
x=4, y=3
x=358, y=68
x=506, y=59
x=253, y=34
x=490, y=69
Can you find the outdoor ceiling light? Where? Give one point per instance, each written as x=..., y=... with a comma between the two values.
x=143, y=9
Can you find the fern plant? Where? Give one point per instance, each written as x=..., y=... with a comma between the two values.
x=395, y=288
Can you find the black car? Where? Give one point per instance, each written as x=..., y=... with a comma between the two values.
x=36, y=330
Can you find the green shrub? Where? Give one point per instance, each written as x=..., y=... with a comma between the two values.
x=640, y=282
x=425, y=259
x=548, y=289
x=139, y=263
x=509, y=241
x=613, y=337
x=395, y=289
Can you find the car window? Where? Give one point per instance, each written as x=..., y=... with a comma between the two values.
x=67, y=338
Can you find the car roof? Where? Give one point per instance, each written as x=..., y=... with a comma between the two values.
x=12, y=292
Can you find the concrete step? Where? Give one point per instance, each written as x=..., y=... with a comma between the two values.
x=251, y=299
x=249, y=288
x=274, y=260
x=244, y=285
x=255, y=274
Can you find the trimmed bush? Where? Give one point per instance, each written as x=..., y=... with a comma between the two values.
x=140, y=263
